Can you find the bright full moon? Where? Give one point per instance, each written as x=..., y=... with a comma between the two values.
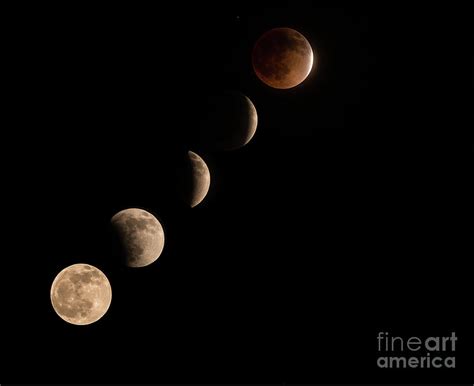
x=81, y=294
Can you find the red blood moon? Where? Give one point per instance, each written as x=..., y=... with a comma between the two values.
x=282, y=58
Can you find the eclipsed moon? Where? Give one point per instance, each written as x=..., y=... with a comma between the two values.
x=81, y=294
x=141, y=236
x=230, y=122
x=196, y=180
x=282, y=58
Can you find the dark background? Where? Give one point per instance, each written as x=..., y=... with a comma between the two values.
x=349, y=213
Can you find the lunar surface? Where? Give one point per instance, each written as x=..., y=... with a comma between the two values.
x=230, y=121
x=197, y=180
x=141, y=236
x=81, y=294
x=282, y=58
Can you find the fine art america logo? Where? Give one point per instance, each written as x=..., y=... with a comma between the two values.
x=395, y=352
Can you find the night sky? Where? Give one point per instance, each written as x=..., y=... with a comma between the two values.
x=349, y=212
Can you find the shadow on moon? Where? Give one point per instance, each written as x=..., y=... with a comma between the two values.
x=229, y=121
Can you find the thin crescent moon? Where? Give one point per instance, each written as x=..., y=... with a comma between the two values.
x=282, y=58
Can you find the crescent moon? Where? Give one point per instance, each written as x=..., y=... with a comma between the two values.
x=200, y=180
x=230, y=122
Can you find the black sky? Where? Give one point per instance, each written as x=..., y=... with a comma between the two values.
x=350, y=212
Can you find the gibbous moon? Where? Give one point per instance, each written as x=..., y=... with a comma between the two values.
x=81, y=294
x=230, y=121
x=141, y=236
x=196, y=180
x=282, y=58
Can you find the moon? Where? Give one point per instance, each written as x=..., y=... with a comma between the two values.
x=196, y=180
x=230, y=121
x=81, y=294
x=282, y=58
x=141, y=236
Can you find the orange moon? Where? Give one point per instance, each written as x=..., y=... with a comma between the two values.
x=282, y=58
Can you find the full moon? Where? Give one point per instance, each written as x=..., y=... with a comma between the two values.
x=141, y=236
x=282, y=58
x=81, y=294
